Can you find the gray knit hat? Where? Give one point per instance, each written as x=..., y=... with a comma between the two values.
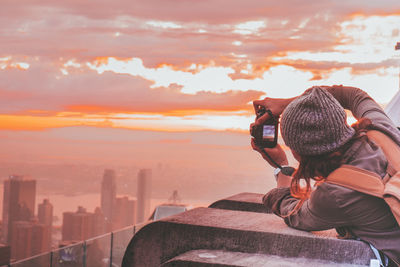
x=315, y=123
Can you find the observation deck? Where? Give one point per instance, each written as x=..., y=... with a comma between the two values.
x=238, y=231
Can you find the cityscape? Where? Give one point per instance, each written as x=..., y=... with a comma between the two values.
x=58, y=205
x=26, y=233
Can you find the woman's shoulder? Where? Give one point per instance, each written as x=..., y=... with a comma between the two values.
x=327, y=194
x=365, y=154
x=327, y=200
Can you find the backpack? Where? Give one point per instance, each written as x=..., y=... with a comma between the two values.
x=371, y=183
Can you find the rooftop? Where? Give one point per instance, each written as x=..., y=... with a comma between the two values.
x=235, y=231
x=238, y=231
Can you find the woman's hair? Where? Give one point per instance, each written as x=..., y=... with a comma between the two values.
x=319, y=167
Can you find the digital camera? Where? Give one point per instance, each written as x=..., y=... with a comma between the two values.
x=265, y=135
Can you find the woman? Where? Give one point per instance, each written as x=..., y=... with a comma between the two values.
x=313, y=126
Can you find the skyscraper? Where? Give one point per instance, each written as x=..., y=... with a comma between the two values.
x=28, y=239
x=78, y=225
x=124, y=212
x=143, y=195
x=108, y=196
x=45, y=212
x=45, y=215
x=18, y=203
x=99, y=222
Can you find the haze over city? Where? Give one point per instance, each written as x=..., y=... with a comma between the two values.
x=127, y=85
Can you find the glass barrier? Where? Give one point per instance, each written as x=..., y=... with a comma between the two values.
x=69, y=256
x=95, y=252
x=98, y=251
x=121, y=239
x=36, y=261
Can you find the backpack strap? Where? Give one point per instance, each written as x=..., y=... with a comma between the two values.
x=366, y=181
x=371, y=183
x=389, y=148
x=357, y=179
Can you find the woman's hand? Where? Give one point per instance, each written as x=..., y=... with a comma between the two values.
x=275, y=153
x=276, y=105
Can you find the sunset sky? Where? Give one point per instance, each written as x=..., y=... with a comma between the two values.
x=178, y=66
x=184, y=65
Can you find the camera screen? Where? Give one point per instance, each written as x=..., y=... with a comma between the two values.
x=268, y=132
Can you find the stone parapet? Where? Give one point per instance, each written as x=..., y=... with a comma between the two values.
x=238, y=231
x=222, y=258
x=243, y=201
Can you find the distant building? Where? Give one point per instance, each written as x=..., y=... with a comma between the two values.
x=29, y=239
x=143, y=195
x=165, y=210
x=99, y=222
x=108, y=196
x=115, y=213
x=5, y=254
x=45, y=214
x=171, y=208
x=78, y=225
x=18, y=203
x=124, y=212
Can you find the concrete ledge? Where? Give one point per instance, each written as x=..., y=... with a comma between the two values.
x=238, y=231
x=243, y=201
x=223, y=258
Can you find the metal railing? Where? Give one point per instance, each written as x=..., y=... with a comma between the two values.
x=101, y=251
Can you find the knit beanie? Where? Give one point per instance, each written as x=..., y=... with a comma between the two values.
x=315, y=123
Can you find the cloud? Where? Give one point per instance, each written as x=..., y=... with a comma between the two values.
x=200, y=11
x=180, y=33
x=84, y=90
x=192, y=58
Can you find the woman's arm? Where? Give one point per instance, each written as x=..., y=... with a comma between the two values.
x=362, y=105
x=355, y=100
x=319, y=212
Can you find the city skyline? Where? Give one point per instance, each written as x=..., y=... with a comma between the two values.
x=29, y=233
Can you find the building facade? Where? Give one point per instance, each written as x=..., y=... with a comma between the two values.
x=143, y=195
x=18, y=203
x=108, y=197
x=79, y=225
x=124, y=212
x=29, y=239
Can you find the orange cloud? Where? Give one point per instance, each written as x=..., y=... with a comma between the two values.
x=33, y=123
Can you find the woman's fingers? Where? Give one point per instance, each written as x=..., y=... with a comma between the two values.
x=262, y=119
x=276, y=153
x=254, y=146
x=251, y=128
x=257, y=104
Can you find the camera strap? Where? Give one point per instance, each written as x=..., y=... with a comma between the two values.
x=270, y=158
